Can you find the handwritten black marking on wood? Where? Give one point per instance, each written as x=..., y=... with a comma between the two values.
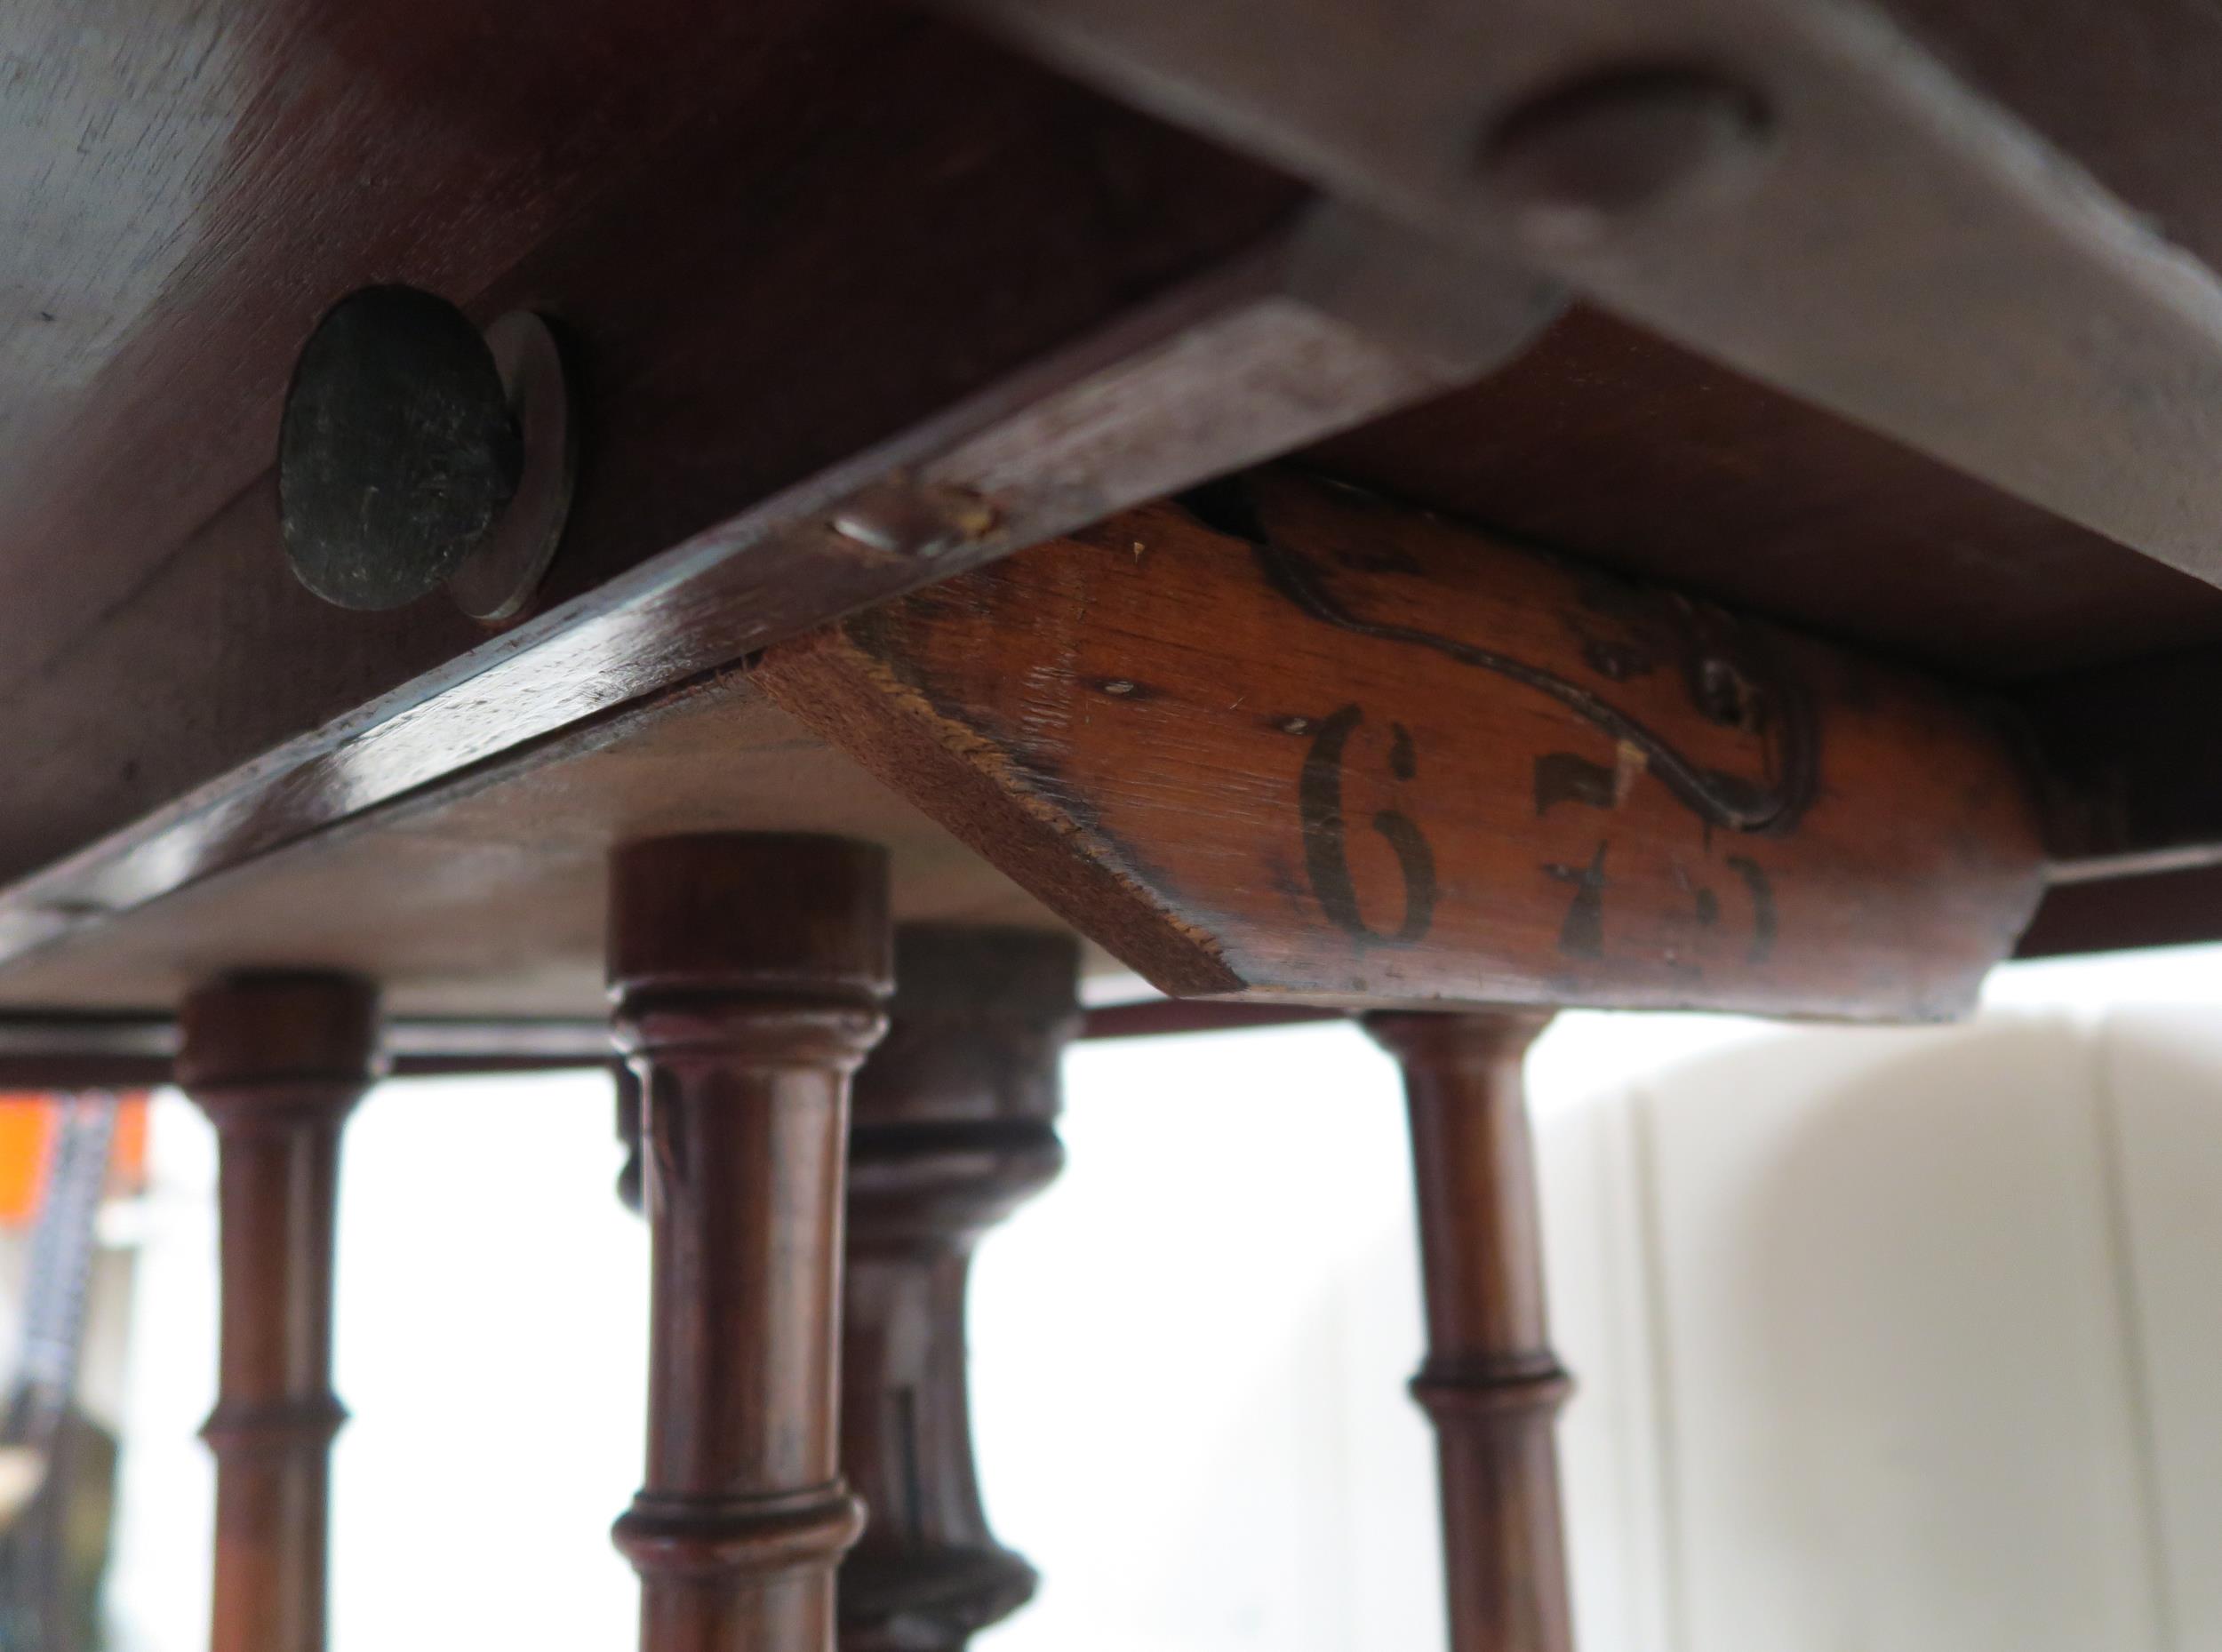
x=1720, y=799
x=1326, y=857
x=1569, y=777
x=1232, y=766
x=1583, y=933
x=1762, y=901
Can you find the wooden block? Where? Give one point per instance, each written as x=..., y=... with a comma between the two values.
x=1321, y=747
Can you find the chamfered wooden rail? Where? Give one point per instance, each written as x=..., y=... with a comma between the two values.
x=1490, y=1382
x=1837, y=199
x=1293, y=740
x=750, y=975
x=275, y=1061
x=954, y=1126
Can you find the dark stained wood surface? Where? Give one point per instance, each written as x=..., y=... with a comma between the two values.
x=738, y=230
x=740, y=223
x=1492, y=1385
x=2127, y=89
x=62, y=1052
x=1604, y=441
x=1316, y=329
x=2132, y=756
x=751, y=975
x=954, y=1126
x=1319, y=746
x=276, y=1062
x=849, y=169
x=1169, y=1018
x=139, y=1050
x=192, y=184
x=486, y=898
x=1797, y=189
x=2179, y=908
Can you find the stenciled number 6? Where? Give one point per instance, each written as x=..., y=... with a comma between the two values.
x=1326, y=857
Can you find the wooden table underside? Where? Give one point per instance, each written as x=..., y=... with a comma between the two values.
x=1645, y=503
x=815, y=260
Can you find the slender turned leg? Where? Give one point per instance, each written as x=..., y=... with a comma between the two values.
x=275, y=1061
x=954, y=1127
x=750, y=975
x=1490, y=1381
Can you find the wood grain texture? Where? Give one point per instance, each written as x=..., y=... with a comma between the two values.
x=1886, y=241
x=1330, y=320
x=1606, y=442
x=750, y=974
x=202, y=181
x=276, y=1062
x=485, y=896
x=1331, y=749
x=818, y=268
x=190, y=184
x=1492, y=1385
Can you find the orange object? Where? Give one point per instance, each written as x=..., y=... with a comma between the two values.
x=27, y=1129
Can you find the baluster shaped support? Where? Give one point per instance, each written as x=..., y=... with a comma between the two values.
x=750, y=976
x=954, y=1126
x=1490, y=1382
x=275, y=1061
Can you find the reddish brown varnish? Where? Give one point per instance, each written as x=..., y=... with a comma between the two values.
x=750, y=974
x=1292, y=741
x=1490, y=1381
x=954, y=1126
x=276, y=1062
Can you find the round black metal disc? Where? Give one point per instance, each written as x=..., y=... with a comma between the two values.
x=397, y=449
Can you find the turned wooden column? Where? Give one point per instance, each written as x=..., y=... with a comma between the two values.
x=954, y=1126
x=275, y=1061
x=750, y=975
x=1490, y=1381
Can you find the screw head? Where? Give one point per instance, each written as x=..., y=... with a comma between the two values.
x=396, y=452
x=908, y=518
x=1574, y=165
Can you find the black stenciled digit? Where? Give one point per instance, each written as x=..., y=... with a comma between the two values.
x=1582, y=934
x=1762, y=906
x=1326, y=854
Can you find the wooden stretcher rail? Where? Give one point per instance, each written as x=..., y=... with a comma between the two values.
x=48, y=1051
x=82, y=1052
x=2126, y=913
x=1332, y=319
x=1292, y=741
x=2132, y=757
